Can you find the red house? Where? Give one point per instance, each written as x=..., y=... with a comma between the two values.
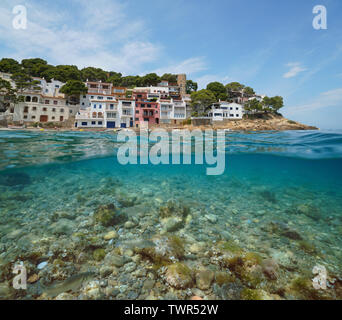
x=147, y=109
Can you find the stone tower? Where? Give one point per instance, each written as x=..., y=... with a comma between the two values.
x=181, y=81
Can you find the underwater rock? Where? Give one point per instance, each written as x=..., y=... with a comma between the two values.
x=204, y=279
x=106, y=215
x=14, y=179
x=99, y=254
x=163, y=250
x=270, y=269
x=255, y=294
x=310, y=211
x=268, y=196
x=62, y=226
x=211, y=218
x=179, y=276
x=65, y=297
x=116, y=260
x=5, y=291
x=174, y=209
x=172, y=224
x=129, y=225
x=110, y=235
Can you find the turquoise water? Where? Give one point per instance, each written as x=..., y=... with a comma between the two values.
x=280, y=197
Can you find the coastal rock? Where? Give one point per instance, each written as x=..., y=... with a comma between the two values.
x=106, y=215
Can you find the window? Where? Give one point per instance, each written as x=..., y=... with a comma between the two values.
x=55, y=102
x=93, y=123
x=136, y=111
x=136, y=119
x=100, y=106
x=53, y=118
x=12, y=110
x=84, y=123
x=25, y=117
x=44, y=109
x=237, y=108
x=100, y=123
x=53, y=109
x=47, y=101
x=33, y=117
x=237, y=115
x=84, y=97
x=26, y=109
x=34, y=108
x=62, y=110
x=71, y=111
x=111, y=106
x=146, y=119
x=92, y=97
x=94, y=106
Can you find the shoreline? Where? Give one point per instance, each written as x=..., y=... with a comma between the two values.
x=274, y=123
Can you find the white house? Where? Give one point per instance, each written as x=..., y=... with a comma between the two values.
x=107, y=112
x=225, y=111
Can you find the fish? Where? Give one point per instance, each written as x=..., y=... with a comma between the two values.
x=73, y=284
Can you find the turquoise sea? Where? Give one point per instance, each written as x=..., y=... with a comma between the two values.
x=69, y=210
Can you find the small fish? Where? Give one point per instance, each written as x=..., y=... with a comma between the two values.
x=73, y=284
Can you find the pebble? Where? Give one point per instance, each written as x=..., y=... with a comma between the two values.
x=211, y=218
x=42, y=265
x=111, y=235
x=129, y=225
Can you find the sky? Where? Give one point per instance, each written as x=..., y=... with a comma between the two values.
x=270, y=45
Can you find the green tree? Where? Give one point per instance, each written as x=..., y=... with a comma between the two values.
x=22, y=81
x=115, y=78
x=151, y=79
x=64, y=73
x=94, y=74
x=34, y=67
x=171, y=78
x=131, y=81
x=273, y=104
x=191, y=86
x=248, y=91
x=201, y=100
x=73, y=89
x=7, y=95
x=9, y=65
x=218, y=90
x=234, y=86
x=253, y=106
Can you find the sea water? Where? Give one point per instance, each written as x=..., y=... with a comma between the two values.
x=51, y=183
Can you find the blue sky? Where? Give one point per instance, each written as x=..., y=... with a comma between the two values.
x=269, y=45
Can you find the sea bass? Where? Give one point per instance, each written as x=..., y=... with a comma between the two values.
x=73, y=284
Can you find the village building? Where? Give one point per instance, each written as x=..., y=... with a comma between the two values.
x=223, y=110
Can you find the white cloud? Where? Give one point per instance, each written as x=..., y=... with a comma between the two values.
x=203, y=81
x=295, y=69
x=188, y=66
x=331, y=98
x=91, y=37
